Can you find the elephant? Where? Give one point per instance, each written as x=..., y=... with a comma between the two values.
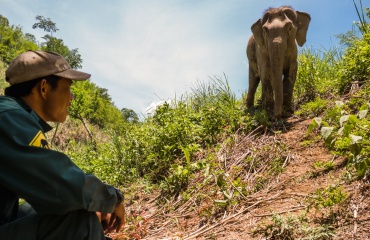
x=272, y=56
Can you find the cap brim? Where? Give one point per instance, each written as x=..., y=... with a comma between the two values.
x=73, y=74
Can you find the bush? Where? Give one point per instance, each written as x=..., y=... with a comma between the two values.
x=317, y=74
x=157, y=147
x=13, y=41
x=94, y=104
x=355, y=64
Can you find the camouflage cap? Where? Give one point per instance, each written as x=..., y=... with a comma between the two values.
x=35, y=64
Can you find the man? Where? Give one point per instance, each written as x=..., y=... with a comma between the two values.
x=62, y=201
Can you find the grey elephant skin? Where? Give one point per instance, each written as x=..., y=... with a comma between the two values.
x=272, y=56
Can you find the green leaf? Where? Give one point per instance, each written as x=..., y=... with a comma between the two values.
x=339, y=103
x=326, y=131
x=343, y=119
x=207, y=179
x=220, y=181
x=221, y=202
x=340, y=131
x=361, y=168
x=347, y=129
x=206, y=171
x=228, y=195
x=318, y=120
x=325, y=124
x=362, y=114
x=367, y=162
x=355, y=138
x=313, y=125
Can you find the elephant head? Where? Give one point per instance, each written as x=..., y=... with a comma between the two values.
x=272, y=53
x=286, y=21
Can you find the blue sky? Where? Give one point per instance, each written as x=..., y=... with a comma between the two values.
x=145, y=51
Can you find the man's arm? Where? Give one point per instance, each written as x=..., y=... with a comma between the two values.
x=45, y=178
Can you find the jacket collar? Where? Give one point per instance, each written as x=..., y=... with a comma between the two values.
x=45, y=126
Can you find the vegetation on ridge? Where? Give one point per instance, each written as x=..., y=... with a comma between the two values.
x=205, y=150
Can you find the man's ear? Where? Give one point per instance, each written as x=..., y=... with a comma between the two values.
x=43, y=88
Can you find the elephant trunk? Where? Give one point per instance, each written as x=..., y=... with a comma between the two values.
x=277, y=52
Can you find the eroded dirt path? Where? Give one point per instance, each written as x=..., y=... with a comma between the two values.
x=287, y=193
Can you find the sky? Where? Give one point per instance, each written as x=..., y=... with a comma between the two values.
x=148, y=51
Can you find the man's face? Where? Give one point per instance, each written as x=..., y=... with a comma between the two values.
x=57, y=101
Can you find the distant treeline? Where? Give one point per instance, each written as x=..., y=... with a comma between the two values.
x=92, y=102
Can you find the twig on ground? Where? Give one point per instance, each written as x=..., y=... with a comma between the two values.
x=281, y=212
x=197, y=233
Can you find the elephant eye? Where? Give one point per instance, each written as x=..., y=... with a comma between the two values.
x=289, y=27
x=290, y=14
x=265, y=30
x=265, y=18
x=289, y=31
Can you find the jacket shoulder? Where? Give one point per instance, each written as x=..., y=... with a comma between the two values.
x=8, y=103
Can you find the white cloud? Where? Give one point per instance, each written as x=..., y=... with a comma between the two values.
x=161, y=48
x=144, y=51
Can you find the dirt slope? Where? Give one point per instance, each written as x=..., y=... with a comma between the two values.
x=290, y=193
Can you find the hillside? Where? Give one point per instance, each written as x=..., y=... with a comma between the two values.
x=304, y=197
x=206, y=167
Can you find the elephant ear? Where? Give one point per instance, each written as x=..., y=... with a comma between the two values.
x=303, y=20
x=258, y=33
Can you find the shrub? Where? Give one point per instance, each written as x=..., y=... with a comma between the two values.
x=317, y=74
x=355, y=64
x=156, y=148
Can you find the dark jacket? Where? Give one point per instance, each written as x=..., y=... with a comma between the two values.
x=45, y=178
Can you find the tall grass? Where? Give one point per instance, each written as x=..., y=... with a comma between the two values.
x=362, y=25
x=317, y=74
x=197, y=119
x=163, y=146
x=215, y=92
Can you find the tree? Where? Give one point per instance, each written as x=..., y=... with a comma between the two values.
x=56, y=44
x=129, y=115
x=46, y=24
x=30, y=37
x=13, y=41
x=94, y=103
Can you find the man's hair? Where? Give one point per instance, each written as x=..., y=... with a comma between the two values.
x=25, y=88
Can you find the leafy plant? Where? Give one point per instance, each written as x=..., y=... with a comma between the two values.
x=350, y=138
x=324, y=165
x=160, y=148
x=328, y=197
x=177, y=180
x=314, y=108
x=94, y=104
x=317, y=74
x=354, y=64
x=290, y=227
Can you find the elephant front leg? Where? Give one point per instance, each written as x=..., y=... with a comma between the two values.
x=267, y=96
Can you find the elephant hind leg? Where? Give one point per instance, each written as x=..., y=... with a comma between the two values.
x=254, y=80
x=288, y=85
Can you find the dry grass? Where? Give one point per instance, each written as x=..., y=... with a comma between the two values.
x=282, y=191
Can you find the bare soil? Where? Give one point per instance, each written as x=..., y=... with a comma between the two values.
x=151, y=216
